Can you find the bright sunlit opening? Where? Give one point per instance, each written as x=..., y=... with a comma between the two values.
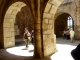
x=21, y=51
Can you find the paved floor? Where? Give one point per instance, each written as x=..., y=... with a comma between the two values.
x=19, y=53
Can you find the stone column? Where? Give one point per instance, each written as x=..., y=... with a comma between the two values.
x=37, y=31
x=77, y=30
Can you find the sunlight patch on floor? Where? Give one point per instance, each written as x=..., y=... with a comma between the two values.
x=21, y=51
x=63, y=52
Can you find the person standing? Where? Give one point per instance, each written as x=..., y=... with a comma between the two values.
x=32, y=36
x=26, y=37
x=71, y=35
x=68, y=34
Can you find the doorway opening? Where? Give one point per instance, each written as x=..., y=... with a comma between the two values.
x=17, y=17
x=63, y=22
x=23, y=19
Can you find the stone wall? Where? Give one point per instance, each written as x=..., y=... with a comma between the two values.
x=73, y=9
x=49, y=39
x=69, y=8
x=8, y=24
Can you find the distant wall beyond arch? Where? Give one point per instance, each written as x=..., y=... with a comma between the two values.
x=61, y=23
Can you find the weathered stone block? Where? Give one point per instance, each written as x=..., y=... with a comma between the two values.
x=46, y=37
x=14, y=12
x=46, y=21
x=6, y=20
x=9, y=16
x=7, y=34
x=47, y=15
x=47, y=31
x=6, y=29
x=7, y=25
x=50, y=26
x=55, y=2
x=53, y=9
x=8, y=44
x=50, y=21
x=11, y=29
x=12, y=20
x=12, y=39
x=49, y=49
x=48, y=7
x=13, y=7
x=46, y=42
x=12, y=34
x=9, y=11
x=11, y=25
x=45, y=26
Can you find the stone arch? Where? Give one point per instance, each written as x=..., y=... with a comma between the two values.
x=69, y=9
x=57, y=14
x=60, y=23
x=49, y=39
x=60, y=13
x=8, y=24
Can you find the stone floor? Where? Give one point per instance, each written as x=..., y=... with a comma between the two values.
x=19, y=53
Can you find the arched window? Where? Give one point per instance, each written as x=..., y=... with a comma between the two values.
x=70, y=22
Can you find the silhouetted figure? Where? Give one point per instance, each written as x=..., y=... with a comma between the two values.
x=75, y=53
x=68, y=34
x=32, y=36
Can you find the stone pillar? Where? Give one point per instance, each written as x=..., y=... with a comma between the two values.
x=77, y=30
x=38, y=52
x=45, y=40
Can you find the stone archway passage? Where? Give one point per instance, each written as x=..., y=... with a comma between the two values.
x=62, y=22
x=8, y=25
x=49, y=38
